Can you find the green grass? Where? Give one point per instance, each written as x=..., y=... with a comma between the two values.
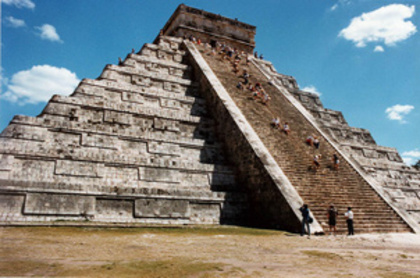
x=322, y=255
x=177, y=230
x=166, y=268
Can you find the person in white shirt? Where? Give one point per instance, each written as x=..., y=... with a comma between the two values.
x=349, y=217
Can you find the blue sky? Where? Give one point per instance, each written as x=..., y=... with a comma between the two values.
x=362, y=56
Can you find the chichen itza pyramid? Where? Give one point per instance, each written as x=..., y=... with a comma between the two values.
x=165, y=137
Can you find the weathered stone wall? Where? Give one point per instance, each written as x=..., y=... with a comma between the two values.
x=401, y=183
x=273, y=201
x=134, y=145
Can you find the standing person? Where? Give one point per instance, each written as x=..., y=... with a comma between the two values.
x=305, y=219
x=349, y=217
x=332, y=215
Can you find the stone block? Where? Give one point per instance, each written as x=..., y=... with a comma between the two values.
x=370, y=153
x=65, y=138
x=134, y=147
x=159, y=174
x=174, y=87
x=221, y=179
x=6, y=162
x=132, y=97
x=161, y=208
x=116, y=76
x=192, y=179
x=205, y=213
x=394, y=157
x=11, y=204
x=62, y=109
x=32, y=169
x=117, y=117
x=141, y=81
x=170, y=103
x=54, y=204
x=116, y=174
x=163, y=124
x=116, y=209
x=163, y=148
x=175, y=72
x=100, y=141
x=25, y=132
x=77, y=168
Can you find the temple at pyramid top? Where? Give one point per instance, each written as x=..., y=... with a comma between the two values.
x=187, y=21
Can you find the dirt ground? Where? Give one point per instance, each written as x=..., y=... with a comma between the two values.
x=202, y=252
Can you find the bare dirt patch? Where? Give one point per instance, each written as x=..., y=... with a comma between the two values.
x=219, y=251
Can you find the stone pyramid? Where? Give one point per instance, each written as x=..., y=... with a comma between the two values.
x=165, y=137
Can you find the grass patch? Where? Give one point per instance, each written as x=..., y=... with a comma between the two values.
x=165, y=268
x=27, y=268
x=322, y=255
x=177, y=230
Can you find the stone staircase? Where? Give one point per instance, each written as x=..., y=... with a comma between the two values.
x=135, y=145
x=343, y=187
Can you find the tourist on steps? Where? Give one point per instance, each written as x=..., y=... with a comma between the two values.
x=315, y=161
x=245, y=76
x=309, y=140
x=240, y=86
x=306, y=220
x=332, y=214
x=275, y=123
x=286, y=128
x=336, y=161
x=349, y=220
x=316, y=142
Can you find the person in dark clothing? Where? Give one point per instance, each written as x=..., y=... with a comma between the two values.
x=305, y=219
x=332, y=216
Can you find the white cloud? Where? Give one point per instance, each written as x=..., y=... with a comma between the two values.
x=20, y=3
x=311, y=89
x=339, y=3
x=14, y=22
x=387, y=24
x=409, y=160
x=397, y=112
x=411, y=157
x=48, y=32
x=39, y=83
x=414, y=153
x=379, y=48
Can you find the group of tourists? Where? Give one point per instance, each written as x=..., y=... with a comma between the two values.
x=317, y=158
x=234, y=57
x=332, y=214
